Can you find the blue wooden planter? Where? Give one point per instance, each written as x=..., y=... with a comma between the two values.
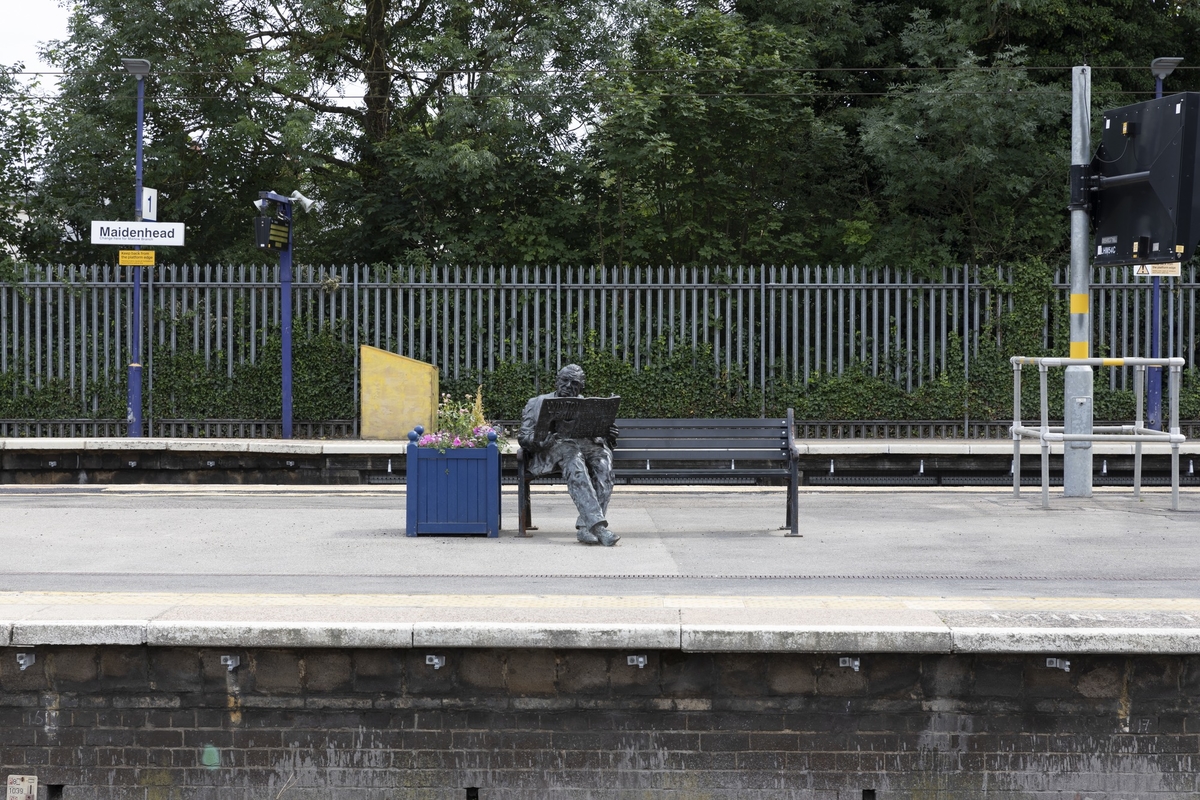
x=457, y=491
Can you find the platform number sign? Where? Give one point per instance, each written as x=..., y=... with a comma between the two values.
x=22, y=787
x=149, y=204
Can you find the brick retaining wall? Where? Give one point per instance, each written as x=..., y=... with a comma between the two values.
x=174, y=724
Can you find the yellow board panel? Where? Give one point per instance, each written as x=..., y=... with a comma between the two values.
x=135, y=258
x=396, y=394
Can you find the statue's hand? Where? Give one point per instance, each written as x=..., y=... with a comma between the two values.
x=613, y=433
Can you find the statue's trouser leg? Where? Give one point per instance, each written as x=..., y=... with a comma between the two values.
x=600, y=467
x=599, y=460
x=579, y=485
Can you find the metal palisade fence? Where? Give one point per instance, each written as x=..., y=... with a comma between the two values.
x=71, y=324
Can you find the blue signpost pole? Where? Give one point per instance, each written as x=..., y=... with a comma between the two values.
x=285, y=319
x=1161, y=68
x=134, y=391
x=287, y=209
x=1154, y=374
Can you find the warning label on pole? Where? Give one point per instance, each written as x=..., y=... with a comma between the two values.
x=22, y=787
x=135, y=258
x=1171, y=270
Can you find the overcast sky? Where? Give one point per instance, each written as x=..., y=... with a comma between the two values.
x=28, y=23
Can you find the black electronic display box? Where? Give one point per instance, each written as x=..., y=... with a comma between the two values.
x=1145, y=201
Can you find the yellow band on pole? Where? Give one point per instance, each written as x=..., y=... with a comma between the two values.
x=1113, y=362
x=1079, y=304
x=1079, y=349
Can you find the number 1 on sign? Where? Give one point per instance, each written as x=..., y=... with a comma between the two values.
x=150, y=204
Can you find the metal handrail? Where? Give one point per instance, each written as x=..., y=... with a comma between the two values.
x=1136, y=433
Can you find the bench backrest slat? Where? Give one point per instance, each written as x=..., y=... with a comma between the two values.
x=700, y=455
x=712, y=440
x=703, y=433
x=701, y=424
x=693, y=443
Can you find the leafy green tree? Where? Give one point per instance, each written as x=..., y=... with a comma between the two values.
x=530, y=131
x=434, y=130
x=21, y=146
x=213, y=137
x=710, y=150
x=970, y=159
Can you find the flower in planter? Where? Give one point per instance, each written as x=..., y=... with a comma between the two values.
x=461, y=425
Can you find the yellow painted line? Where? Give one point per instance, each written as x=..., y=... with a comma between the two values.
x=850, y=602
x=1079, y=303
x=1079, y=350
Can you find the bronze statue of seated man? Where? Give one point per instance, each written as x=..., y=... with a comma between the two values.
x=585, y=464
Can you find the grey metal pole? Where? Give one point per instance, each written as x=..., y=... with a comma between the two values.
x=1077, y=397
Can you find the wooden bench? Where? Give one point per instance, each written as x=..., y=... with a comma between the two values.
x=694, y=451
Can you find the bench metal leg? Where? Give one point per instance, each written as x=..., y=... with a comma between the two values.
x=524, y=514
x=522, y=496
x=793, y=501
x=527, y=520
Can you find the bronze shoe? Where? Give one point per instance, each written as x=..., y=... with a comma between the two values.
x=607, y=537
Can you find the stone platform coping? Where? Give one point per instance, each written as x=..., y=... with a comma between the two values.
x=319, y=447
x=719, y=624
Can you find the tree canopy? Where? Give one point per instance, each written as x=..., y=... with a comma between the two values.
x=903, y=133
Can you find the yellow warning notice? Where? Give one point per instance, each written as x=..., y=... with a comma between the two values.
x=135, y=258
x=1171, y=270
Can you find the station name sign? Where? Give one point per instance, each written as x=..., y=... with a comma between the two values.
x=160, y=234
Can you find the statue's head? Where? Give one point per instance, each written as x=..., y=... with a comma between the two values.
x=569, y=382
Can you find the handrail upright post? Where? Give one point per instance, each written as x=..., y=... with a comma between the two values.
x=1045, y=403
x=793, y=504
x=1138, y=391
x=1176, y=374
x=1139, y=377
x=1016, y=463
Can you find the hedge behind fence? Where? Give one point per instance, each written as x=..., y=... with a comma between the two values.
x=672, y=382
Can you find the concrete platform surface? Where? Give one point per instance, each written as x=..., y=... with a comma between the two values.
x=920, y=570
x=675, y=540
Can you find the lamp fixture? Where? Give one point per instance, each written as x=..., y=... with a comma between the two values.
x=138, y=67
